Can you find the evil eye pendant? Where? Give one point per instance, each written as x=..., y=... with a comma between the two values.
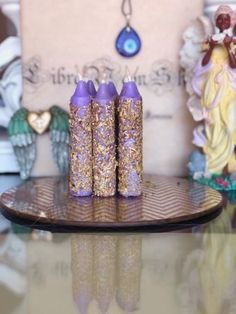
x=128, y=43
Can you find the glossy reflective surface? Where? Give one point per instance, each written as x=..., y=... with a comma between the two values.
x=191, y=271
x=165, y=200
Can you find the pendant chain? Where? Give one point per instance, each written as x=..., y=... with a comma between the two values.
x=127, y=10
x=128, y=42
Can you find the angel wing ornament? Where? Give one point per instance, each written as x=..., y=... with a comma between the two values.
x=23, y=139
x=59, y=135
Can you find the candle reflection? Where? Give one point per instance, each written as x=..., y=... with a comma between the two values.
x=82, y=270
x=129, y=272
x=130, y=209
x=104, y=267
x=209, y=278
x=105, y=209
x=104, y=270
x=80, y=209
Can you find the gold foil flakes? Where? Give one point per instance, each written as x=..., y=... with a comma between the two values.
x=104, y=149
x=130, y=147
x=81, y=177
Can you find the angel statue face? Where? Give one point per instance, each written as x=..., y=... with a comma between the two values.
x=223, y=22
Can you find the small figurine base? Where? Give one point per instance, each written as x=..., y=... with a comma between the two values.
x=219, y=182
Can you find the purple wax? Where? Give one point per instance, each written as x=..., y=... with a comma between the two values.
x=113, y=89
x=123, y=88
x=91, y=88
x=130, y=90
x=103, y=94
x=81, y=95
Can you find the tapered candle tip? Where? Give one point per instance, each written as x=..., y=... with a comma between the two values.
x=128, y=77
x=91, y=88
x=103, y=92
x=130, y=90
x=81, y=94
x=113, y=89
x=83, y=303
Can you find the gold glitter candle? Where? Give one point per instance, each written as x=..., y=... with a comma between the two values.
x=82, y=270
x=104, y=146
x=129, y=272
x=130, y=146
x=80, y=175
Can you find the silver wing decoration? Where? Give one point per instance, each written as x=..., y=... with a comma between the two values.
x=59, y=135
x=23, y=140
x=11, y=80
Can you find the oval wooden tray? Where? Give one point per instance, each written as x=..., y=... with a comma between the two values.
x=44, y=203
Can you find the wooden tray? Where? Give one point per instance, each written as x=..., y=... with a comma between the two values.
x=166, y=201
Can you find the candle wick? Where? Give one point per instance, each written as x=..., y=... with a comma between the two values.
x=80, y=77
x=104, y=78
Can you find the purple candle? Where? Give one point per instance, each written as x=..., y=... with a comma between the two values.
x=91, y=88
x=130, y=146
x=104, y=148
x=80, y=177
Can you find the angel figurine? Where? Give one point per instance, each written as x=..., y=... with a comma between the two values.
x=212, y=89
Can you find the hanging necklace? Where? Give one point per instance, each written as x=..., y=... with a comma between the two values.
x=128, y=42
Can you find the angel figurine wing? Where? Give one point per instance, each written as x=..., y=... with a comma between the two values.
x=23, y=139
x=194, y=37
x=59, y=135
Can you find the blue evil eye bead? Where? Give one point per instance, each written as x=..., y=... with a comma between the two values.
x=128, y=43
